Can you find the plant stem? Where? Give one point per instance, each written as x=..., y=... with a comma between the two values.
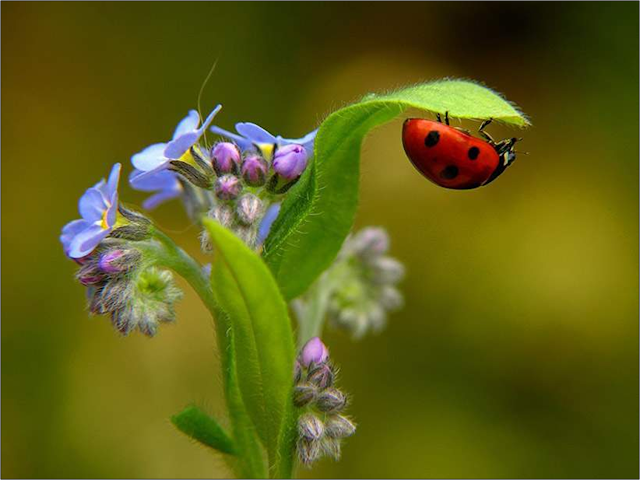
x=313, y=311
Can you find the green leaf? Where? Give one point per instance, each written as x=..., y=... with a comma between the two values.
x=250, y=463
x=246, y=291
x=318, y=214
x=196, y=424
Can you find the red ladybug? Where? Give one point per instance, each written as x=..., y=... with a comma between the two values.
x=452, y=157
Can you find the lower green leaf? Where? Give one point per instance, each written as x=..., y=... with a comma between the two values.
x=196, y=424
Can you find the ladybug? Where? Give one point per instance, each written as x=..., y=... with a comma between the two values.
x=451, y=157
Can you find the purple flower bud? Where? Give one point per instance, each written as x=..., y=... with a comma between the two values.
x=297, y=371
x=303, y=394
x=225, y=157
x=310, y=427
x=308, y=450
x=331, y=400
x=228, y=187
x=254, y=170
x=290, y=161
x=337, y=426
x=117, y=261
x=87, y=279
x=321, y=376
x=249, y=209
x=90, y=274
x=313, y=352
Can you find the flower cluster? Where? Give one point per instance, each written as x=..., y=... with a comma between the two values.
x=360, y=288
x=235, y=182
x=321, y=425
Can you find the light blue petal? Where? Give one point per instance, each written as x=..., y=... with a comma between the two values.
x=177, y=147
x=69, y=231
x=150, y=158
x=92, y=205
x=114, y=178
x=86, y=241
x=154, y=200
x=307, y=141
x=187, y=124
x=243, y=143
x=255, y=133
x=112, y=210
x=208, y=120
x=267, y=221
x=161, y=180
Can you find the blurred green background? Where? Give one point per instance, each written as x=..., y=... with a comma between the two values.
x=517, y=352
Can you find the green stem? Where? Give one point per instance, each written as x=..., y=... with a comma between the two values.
x=166, y=253
x=312, y=313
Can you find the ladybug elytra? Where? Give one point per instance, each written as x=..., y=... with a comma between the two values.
x=451, y=157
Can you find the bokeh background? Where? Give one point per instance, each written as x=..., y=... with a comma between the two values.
x=517, y=352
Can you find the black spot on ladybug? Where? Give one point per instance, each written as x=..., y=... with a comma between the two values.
x=473, y=153
x=449, y=173
x=432, y=138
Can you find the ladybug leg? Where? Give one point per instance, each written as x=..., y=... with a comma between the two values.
x=484, y=134
x=446, y=117
x=438, y=117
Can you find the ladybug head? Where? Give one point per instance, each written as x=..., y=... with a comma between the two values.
x=507, y=153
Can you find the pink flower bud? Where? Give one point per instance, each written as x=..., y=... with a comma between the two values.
x=290, y=161
x=313, y=352
x=225, y=157
x=254, y=170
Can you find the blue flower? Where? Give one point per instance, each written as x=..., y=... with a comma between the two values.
x=156, y=157
x=98, y=208
x=164, y=182
x=267, y=221
x=253, y=136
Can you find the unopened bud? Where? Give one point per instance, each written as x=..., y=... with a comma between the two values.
x=304, y=394
x=391, y=298
x=331, y=400
x=90, y=274
x=308, y=451
x=249, y=209
x=371, y=242
x=228, y=187
x=297, y=370
x=313, y=352
x=225, y=157
x=254, y=170
x=321, y=376
x=310, y=427
x=223, y=214
x=330, y=447
x=337, y=426
x=290, y=161
x=387, y=270
x=118, y=260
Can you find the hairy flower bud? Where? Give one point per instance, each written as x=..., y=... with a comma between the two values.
x=308, y=450
x=330, y=447
x=313, y=352
x=310, y=427
x=249, y=209
x=225, y=157
x=391, y=298
x=337, y=426
x=228, y=187
x=297, y=371
x=321, y=376
x=118, y=260
x=331, y=400
x=90, y=274
x=304, y=394
x=387, y=270
x=370, y=242
x=290, y=161
x=223, y=214
x=254, y=170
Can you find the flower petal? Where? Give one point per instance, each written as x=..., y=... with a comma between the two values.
x=208, y=120
x=154, y=200
x=112, y=210
x=307, y=141
x=69, y=231
x=114, y=178
x=151, y=182
x=243, y=143
x=86, y=241
x=178, y=146
x=92, y=205
x=254, y=132
x=150, y=158
x=187, y=124
x=267, y=221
